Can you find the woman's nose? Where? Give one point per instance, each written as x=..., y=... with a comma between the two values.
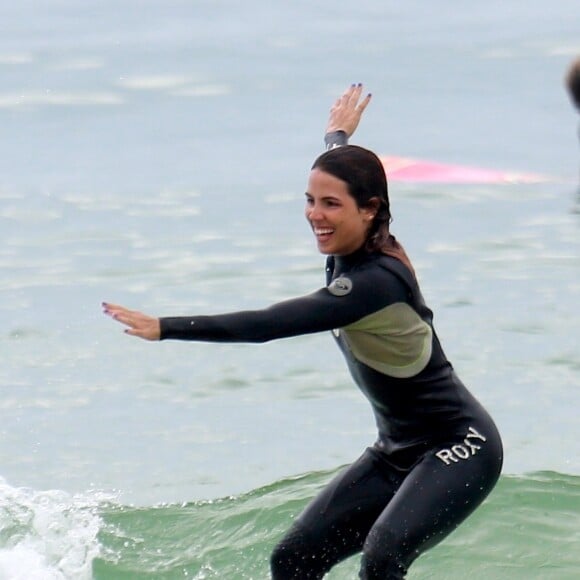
x=313, y=212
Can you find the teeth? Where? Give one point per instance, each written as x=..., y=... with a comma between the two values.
x=322, y=231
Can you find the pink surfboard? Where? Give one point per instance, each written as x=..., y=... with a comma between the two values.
x=415, y=170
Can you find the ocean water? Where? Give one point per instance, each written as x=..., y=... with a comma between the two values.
x=155, y=154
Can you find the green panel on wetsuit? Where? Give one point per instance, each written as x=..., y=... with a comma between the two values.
x=394, y=340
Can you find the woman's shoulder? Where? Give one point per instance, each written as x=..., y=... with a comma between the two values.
x=378, y=273
x=390, y=264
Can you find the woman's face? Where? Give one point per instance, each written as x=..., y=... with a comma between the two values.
x=339, y=225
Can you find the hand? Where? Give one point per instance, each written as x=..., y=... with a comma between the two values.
x=139, y=324
x=347, y=111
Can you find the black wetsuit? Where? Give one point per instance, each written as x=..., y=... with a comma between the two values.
x=438, y=453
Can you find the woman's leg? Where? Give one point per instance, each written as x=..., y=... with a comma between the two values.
x=336, y=523
x=436, y=496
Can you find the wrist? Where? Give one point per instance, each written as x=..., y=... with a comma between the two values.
x=334, y=139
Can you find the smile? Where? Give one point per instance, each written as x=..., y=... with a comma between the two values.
x=323, y=231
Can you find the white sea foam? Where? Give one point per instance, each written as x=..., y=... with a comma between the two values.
x=207, y=90
x=16, y=58
x=79, y=64
x=55, y=98
x=47, y=535
x=154, y=82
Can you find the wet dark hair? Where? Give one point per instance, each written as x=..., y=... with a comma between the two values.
x=365, y=177
x=572, y=80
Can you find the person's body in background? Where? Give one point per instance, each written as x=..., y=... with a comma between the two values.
x=572, y=81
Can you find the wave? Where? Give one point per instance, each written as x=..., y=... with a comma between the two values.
x=528, y=528
x=48, y=535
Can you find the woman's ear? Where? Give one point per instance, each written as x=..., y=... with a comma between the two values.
x=372, y=207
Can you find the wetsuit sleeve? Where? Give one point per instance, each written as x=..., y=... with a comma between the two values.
x=316, y=312
x=335, y=139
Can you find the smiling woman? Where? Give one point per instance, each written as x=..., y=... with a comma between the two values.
x=340, y=226
x=352, y=185
x=438, y=453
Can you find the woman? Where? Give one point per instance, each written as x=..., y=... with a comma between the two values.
x=438, y=453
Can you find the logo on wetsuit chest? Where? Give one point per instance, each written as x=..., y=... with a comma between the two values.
x=460, y=452
x=341, y=286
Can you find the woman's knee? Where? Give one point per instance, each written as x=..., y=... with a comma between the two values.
x=283, y=560
x=384, y=558
x=295, y=558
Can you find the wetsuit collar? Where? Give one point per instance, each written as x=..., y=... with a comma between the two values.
x=345, y=263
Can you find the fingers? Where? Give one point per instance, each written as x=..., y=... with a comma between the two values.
x=351, y=97
x=347, y=110
x=120, y=314
x=124, y=315
x=138, y=324
x=115, y=311
x=364, y=103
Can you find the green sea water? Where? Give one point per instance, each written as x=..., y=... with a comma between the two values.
x=527, y=529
